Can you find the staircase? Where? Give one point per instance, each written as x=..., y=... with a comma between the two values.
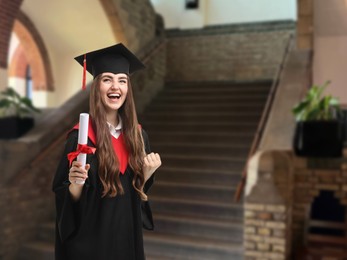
x=203, y=133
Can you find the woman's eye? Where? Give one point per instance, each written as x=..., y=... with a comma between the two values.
x=123, y=81
x=106, y=80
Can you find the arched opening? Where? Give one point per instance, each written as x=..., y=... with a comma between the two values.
x=17, y=67
x=326, y=208
x=29, y=67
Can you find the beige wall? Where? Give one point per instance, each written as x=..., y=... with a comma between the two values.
x=67, y=35
x=330, y=46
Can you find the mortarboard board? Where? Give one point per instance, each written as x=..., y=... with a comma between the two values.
x=115, y=59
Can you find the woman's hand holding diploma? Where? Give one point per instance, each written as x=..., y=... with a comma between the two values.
x=79, y=170
x=77, y=176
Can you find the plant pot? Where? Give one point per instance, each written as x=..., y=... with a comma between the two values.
x=14, y=127
x=319, y=138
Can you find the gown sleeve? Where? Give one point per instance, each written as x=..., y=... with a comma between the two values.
x=147, y=218
x=65, y=206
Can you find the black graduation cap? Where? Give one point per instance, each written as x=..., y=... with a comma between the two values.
x=115, y=59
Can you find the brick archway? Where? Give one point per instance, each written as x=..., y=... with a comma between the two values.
x=11, y=18
x=35, y=52
x=18, y=67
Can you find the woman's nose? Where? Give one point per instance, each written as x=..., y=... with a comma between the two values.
x=115, y=85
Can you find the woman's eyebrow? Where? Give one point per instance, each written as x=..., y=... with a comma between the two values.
x=123, y=77
x=106, y=76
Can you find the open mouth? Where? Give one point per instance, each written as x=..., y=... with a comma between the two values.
x=114, y=96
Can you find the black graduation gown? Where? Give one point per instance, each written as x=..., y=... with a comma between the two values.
x=98, y=228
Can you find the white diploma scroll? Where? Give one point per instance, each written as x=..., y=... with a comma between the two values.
x=83, y=139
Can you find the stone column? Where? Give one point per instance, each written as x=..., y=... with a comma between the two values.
x=267, y=210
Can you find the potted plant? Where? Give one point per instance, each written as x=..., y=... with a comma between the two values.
x=15, y=114
x=319, y=129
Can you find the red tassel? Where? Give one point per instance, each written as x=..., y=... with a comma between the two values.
x=84, y=72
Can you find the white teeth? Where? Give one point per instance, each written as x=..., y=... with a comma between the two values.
x=112, y=95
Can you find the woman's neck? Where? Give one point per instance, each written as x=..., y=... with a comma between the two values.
x=112, y=118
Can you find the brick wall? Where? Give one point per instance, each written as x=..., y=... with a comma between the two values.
x=281, y=188
x=19, y=63
x=305, y=24
x=28, y=167
x=147, y=83
x=267, y=206
x=136, y=19
x=265, y=231
x=27, y=201
x=311, y=177
x=231, y=52
x=8, y=12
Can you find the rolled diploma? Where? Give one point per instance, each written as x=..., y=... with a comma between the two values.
x=83, y=139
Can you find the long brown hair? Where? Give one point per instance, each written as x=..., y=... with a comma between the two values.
x=108, y=162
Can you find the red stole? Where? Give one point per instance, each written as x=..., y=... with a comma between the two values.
x=118, y=146
x=121, y=152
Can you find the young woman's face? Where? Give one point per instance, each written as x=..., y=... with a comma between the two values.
x=113, y=90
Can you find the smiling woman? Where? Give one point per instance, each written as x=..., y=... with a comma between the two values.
x=113, y=90
x=103, y=217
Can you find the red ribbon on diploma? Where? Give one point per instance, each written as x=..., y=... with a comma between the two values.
x=81, y=148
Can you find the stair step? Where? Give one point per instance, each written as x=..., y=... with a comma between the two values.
x=155, y=256
x=183, y=247
x=213, y=91
x=215, y=163
x=244, y=138
x=196, y=208
x=198, y=176
x=201, y=192
x=46, y=232
x=37, y=250
x=230, y=230
x=210, y=117
x=212, y=99
x=200, y=149
x=233, y=127
x=198, y=86
x=208, y=107
x=199, y=113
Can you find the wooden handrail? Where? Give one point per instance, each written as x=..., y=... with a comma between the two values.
x=263, y=120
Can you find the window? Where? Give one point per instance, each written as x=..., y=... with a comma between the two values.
x=192, y=4
x=28, y=83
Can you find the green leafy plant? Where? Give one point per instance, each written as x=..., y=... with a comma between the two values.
x=12, y=104
x=315, y=106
